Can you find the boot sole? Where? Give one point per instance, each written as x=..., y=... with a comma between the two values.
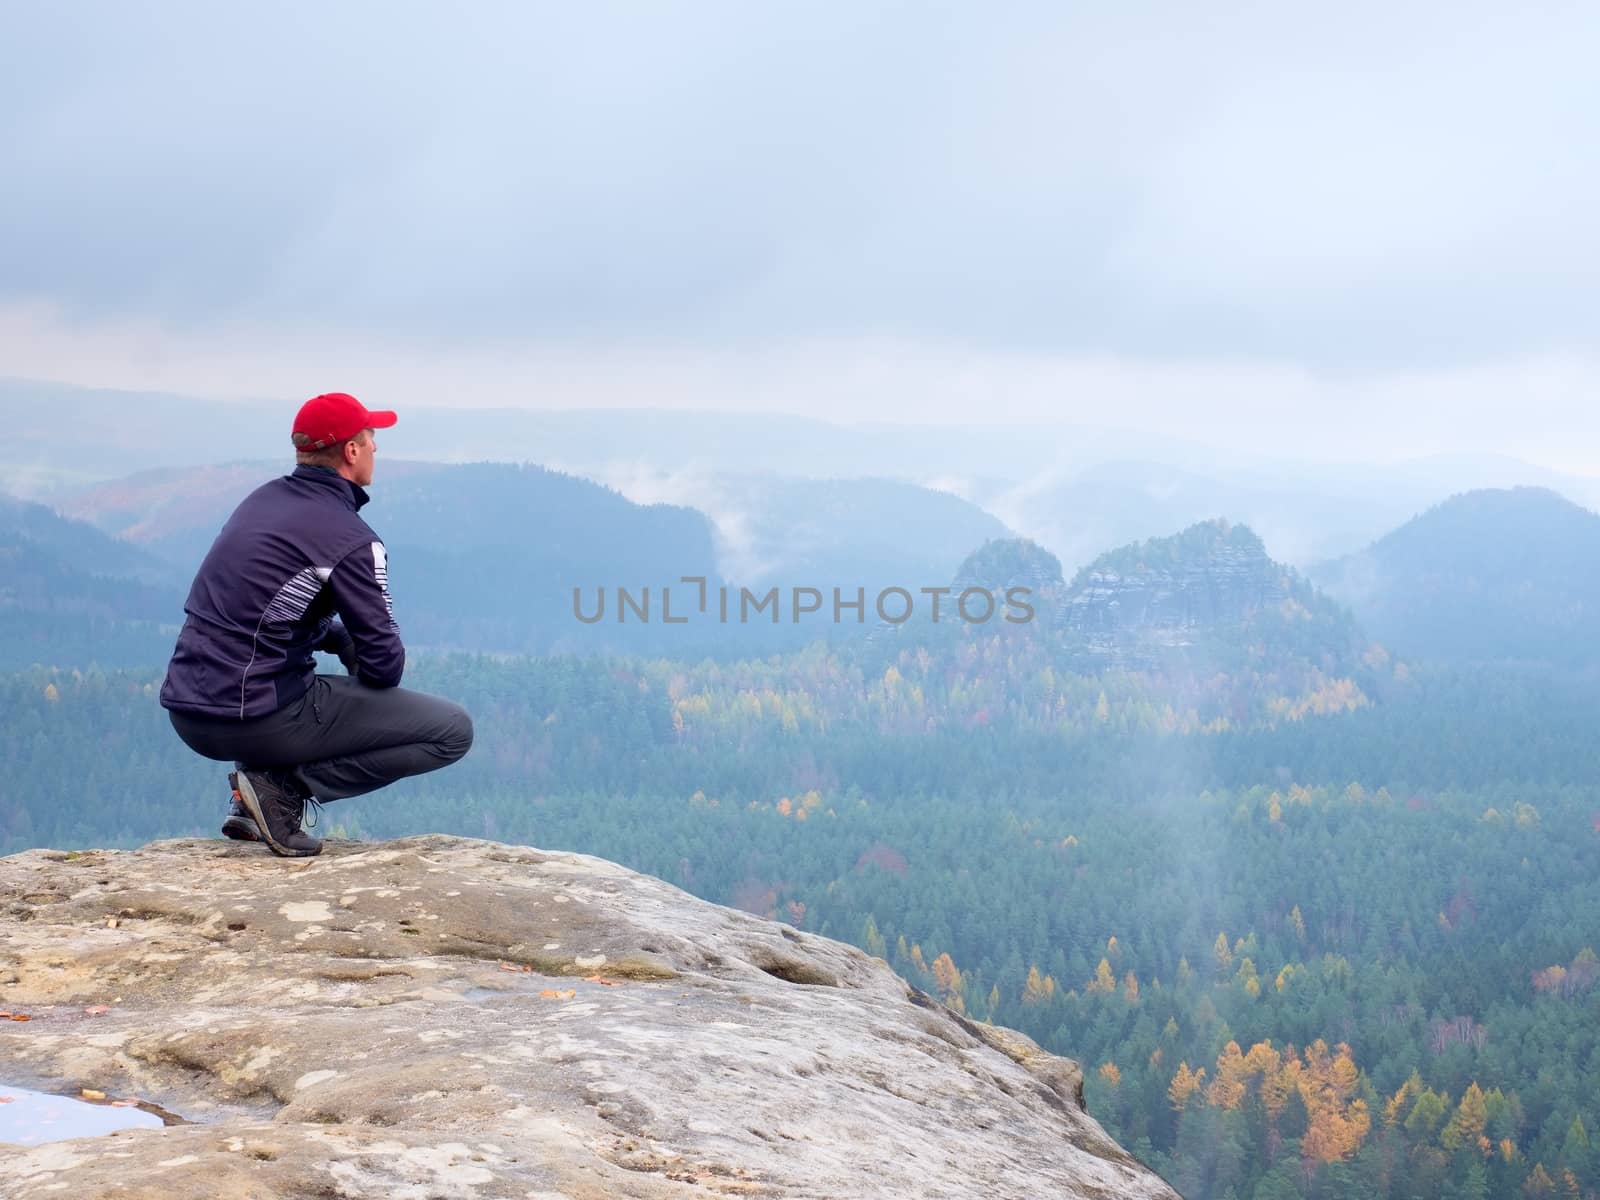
x=241, y=829
x=252, y=803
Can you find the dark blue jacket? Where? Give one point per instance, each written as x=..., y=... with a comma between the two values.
x=292, y=554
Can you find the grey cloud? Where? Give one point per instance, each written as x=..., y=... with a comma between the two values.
x=1346, y=186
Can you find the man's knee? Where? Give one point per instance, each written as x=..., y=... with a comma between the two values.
x=456, y=738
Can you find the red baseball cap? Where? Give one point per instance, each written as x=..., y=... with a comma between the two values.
x=333, y=417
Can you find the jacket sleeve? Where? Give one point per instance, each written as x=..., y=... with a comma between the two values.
x=360, y=585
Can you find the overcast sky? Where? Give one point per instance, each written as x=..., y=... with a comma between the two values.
x=1348, y=229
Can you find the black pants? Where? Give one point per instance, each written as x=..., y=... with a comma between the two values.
x=341, y=738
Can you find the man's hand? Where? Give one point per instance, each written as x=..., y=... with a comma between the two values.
x=338, y=641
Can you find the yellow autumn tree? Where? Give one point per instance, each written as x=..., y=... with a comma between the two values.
x=1265, y=1065
x=946, y=977
x=1395, y=1110
x=1467, y=1125
x=1228, y=1085
x=1039, y=989
x=1184, y=1084
x=1104, y=980
x=875, y=944
x=1276, y=1090
x=1538, y=1183
x=1110, y=1073
x=1223, y=953
x=1130, y=988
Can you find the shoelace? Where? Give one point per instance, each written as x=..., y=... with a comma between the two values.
x=316, y=811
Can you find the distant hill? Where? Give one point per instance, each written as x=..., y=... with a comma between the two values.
x=482, y=556
x=497, y=547
x=175, y=512
x=71, y=595
x=783, y=529
x=1202, y=626
x=1074, y=489
x=115, y=428
x=1023, y=580
x=1208, y=596
x=1306, y=513
x=1499, y=574
x=1003, y=563
x=486, y=557
x=1120, y=502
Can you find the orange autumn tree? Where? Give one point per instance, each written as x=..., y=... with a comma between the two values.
x=1336, y=1122
x=1266, y=1065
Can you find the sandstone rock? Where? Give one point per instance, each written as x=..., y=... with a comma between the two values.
x=1215, y=585
x=347, y=1026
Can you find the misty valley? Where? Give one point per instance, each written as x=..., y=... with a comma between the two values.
x=1298, y=863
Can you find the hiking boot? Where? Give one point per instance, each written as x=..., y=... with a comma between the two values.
x=276, y=805
x=239, y=825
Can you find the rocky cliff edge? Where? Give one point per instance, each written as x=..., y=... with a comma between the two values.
x=445, y=1017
